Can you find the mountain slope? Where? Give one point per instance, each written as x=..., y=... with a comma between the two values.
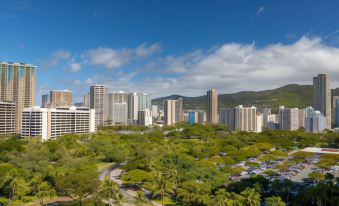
x=292, y=95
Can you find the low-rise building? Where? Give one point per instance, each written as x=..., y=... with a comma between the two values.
x=49, y=123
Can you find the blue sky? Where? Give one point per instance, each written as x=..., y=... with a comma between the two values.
x=166, y=47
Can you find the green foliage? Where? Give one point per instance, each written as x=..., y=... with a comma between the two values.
x=190, y=167
x=274, y=201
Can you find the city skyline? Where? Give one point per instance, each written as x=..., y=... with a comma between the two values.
x=198, y=48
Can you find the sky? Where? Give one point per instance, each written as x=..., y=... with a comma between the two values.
x=171, y=46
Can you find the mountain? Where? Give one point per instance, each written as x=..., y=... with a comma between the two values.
x=292, y=95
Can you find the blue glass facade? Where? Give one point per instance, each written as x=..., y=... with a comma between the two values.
x=191, y=118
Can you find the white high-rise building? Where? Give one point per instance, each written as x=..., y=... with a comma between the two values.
x=315, y=123
x=7, y=118
x=99, y=102
x=145, y=117
x=288, y=118
x=49, y=123
x=259, y=120
x=245, y=118
x=154, y=111
x=118, y=111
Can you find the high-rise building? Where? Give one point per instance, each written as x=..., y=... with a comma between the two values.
x=245, y=118
x=117, y=108
x=99, y=102
x=337, y=113
x=259, y=120
x=302, y=116
x=173, y=112
x=45, y=100
x=145, y=117
x=227, y=117
x=61, y=98
x=7, y=118
x=269, y=119
x=144, y=101
x=271, y=122
x=49, y=123
x=86, y=100
x=288, y=119
x=315, y=123
x=322, y=96
x=334, y=100
x=195, y=117
x=132, y=108
x=264, y=110
x=154, y=111
x=212, y=107
x=202, y=117
x=17, y=84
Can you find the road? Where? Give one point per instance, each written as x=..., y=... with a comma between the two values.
x=112, y=172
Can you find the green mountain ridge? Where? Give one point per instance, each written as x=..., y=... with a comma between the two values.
x=291, y=95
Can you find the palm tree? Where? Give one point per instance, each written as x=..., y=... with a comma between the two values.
x=220, y=197
x=223, y=198
x=140, y=199
x=276, y=186
x=286, y=188
x=274, y=201
x=45, y=191
x=11, y=181
x=22, y=188
x=251, y=197
x=162, y=184
x=110, y=191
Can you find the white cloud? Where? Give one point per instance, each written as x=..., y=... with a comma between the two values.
x=108, y=57
x=61, y=54
x=258, y=12
x=146, y=50
x=74, y=66
x=115, y=58
x=237, y=67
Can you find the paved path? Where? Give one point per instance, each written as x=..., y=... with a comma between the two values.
x=303, y=173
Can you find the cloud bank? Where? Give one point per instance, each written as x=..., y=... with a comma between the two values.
x=229, y=68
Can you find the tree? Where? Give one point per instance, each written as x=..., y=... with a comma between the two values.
x=162, y=184
x=77, y=185
x=110, y=191
x=17, y=186
x=274, y=201
x=301, y=155
x=194, y=193
x=140, y=198
x=286, y=186
x=45, y=191
x=223, y=198
x=317, y=176
x=251, y=197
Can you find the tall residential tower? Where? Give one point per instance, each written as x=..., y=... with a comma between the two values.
x=99, y=102
x=17, y=84
x=322, y=96
x=212, y=106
